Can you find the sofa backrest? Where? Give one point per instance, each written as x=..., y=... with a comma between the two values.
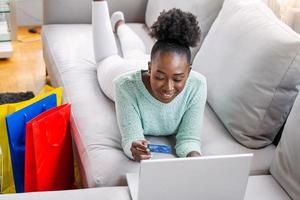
x=80, y=11
x=286, y=162
x=206, y=12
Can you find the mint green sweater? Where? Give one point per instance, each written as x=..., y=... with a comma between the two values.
x=139, y=113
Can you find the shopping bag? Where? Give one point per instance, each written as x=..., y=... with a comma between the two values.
x=49, y=156
x=46, y=91
x=1, y=171
x=16, y=126
x=6, y=109
x=8, y=185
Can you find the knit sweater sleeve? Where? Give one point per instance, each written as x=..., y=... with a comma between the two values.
x=128, y=117
x=188, y=137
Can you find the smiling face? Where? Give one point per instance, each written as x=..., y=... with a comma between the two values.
x=168, y=74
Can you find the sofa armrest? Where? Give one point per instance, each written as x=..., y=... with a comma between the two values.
x=79, y=11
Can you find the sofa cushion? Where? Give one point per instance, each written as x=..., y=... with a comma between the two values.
x=57, y=42
x=285, y=166
x=252, y=64
x=94, y=126
x=58, y=35
x=206, y=12
x=264, y=188
x=216, y=140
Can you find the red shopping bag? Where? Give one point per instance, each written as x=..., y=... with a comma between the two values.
x=48, y=154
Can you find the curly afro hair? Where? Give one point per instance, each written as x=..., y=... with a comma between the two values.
x=175, y=31
x=178, y=27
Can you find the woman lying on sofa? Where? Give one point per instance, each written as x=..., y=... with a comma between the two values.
x=156, y=96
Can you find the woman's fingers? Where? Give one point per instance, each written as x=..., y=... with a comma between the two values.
x=137, y=151
x=140, y=151
x=145, y=157
x=141, y=145
x=144, y=142
x=139, y=157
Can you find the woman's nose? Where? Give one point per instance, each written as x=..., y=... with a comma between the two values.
x=169, y=86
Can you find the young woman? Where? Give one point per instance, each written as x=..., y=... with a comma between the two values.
x=160, y=96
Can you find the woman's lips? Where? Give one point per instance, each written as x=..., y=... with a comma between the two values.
x=167, y=95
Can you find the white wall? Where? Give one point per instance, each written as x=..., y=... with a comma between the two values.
x=29, y=12
x=288, y=11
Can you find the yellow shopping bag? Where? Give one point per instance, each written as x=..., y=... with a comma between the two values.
x=6, y=109
x=1, y=170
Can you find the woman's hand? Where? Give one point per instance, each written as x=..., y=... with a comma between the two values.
x=139, y=150
x=193, y=154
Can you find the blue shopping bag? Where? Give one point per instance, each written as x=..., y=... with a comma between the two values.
x=16, y=126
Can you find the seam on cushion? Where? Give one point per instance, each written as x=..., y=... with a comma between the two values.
x=276, y=90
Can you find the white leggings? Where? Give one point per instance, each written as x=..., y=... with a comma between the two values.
x=109, y=64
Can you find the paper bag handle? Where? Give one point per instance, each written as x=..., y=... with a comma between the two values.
x=48, y=135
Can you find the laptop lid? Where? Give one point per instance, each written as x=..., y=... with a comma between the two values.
x=207, y=177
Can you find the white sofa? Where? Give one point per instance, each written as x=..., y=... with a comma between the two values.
x=68, y=53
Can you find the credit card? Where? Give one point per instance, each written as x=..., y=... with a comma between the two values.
x=160, y=148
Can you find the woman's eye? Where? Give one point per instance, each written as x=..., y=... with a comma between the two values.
x=159, y=78
x=177, y=80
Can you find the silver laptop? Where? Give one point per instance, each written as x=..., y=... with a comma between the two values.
x=208, y=177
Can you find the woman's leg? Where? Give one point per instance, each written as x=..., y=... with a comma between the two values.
x=112, y=67
x=131, y=44
x=109, y=64
x=104, y=40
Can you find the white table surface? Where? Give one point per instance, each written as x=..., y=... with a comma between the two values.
x=104, y=193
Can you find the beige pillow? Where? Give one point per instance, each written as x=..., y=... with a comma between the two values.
x=252, y=65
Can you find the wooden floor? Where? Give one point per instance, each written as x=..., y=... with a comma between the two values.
x=25, y=70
